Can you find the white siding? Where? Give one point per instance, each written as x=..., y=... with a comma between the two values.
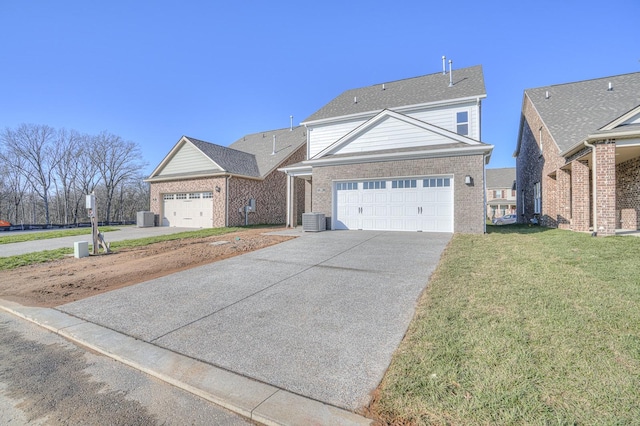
x=321, y=137
x=188, y=159
x=392, y=133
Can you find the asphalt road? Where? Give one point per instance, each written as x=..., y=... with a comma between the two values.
x=46, y=380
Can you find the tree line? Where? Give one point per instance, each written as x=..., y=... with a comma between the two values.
x=46, y=173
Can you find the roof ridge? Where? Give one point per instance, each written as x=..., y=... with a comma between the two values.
x=583, y=81
x=218, y=145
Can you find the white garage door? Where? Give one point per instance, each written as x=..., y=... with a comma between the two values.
x=188, y=209
x=415, y=204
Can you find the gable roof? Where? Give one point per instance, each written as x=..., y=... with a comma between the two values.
x=573, y=111
x=260, y=145
x=431, y=88
x=501, y=178
x=250, y=156
x=439, y=135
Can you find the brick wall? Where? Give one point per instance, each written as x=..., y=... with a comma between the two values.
x=270, y=195
x=606, y=188
x=468, y=200
x=628, y=194
x=158, y=189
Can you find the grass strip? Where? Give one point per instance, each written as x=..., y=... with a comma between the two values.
x=11, y=262
x=33, y=236
x=522, y=326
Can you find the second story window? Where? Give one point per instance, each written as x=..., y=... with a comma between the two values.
x=462, y=123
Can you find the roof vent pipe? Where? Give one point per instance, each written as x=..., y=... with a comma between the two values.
x=291, y=123
x=383, y=87
x=274, y=145
x=450, y=73
x=546, y=94
x=444, y=65
x=355, y=99
x=610, y=87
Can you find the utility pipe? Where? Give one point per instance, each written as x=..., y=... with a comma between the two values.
x=595, y=186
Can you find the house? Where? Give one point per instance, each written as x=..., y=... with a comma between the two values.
x=578, y=155
x=204, y=185
x=402, y=155
x=501, y=192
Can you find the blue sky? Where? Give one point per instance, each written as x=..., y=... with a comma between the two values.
x=152, y=71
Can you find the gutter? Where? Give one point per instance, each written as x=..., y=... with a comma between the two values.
x=595, y=187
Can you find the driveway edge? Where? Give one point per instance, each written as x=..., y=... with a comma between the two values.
x=257, y=401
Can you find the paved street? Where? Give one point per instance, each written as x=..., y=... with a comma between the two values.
x=44, y=379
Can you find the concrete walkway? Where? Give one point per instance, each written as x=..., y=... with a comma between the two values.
x=123, y=233
x=311, y=323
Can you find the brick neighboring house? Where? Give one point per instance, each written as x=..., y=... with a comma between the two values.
x=501, y=192
x=204, y=185
x=403, y=155
x=578, y=155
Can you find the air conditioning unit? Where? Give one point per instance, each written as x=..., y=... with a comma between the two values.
x=313, y=222
x=145, y=219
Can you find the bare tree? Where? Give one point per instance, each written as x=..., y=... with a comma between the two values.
x=117, y=161
x=69, y=144
x=35, y=144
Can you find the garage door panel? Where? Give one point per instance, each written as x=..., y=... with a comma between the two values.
x=424, y=204
x=194, y=210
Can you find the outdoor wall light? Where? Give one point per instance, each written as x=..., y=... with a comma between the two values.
x=217, y=189
x=468, y=180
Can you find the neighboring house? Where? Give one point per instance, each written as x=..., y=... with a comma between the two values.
x=403, y=155
x=203, y=185
x=501, y=192
x=578, y=155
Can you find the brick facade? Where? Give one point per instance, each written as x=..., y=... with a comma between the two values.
x=269, y=193
x=468, y=199
x=567, y=183
x=628, y=194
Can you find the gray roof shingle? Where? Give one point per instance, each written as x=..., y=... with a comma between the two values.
x=468, y=82
x=230, y=160
x=575, y=110
x=501, y=178
x=260, y=145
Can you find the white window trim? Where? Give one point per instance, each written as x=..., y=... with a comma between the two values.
x=537, y=198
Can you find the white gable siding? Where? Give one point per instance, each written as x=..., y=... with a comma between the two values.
x=188, y=159
x=392, y=133
x=321, y=137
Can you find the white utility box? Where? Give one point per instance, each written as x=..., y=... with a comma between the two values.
x=81, y=249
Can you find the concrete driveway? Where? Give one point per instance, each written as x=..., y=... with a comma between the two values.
x=319, y=316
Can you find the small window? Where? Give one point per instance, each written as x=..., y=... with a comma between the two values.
x=207, y=195
x=407, y=183
x=168, y=197
x=194, y=196
x=537, y=198
x=462, y=123
x=347, y=186
x=378, y=184
x=181, y=196
x=436, y=182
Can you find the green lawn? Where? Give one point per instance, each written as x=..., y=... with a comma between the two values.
x=45, y=235
x=523, y=326
x=11, y=262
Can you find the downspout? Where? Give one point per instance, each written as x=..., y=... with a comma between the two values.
x=226, y=194
x=288, y=202
x=484, y=192
x=595, y=190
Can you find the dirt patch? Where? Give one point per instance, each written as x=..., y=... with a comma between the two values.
x=55, y=283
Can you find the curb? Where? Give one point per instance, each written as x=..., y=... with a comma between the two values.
x=254, y=400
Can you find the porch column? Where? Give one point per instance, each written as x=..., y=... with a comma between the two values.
x=580, y=196
x=605, y=181
x=290, y=201
x=563, y=181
